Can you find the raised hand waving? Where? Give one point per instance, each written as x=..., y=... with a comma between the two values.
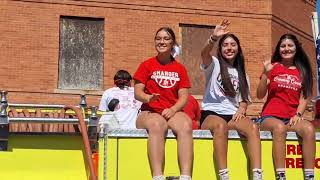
x=220, y=29
x=267, y=66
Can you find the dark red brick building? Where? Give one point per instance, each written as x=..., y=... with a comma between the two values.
x=39, y=39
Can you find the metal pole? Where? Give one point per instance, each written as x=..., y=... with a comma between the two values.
x=4, y=122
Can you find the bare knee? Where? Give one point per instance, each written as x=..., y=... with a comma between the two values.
x=254, y=130
x=308, y=132
x=181, y=125
x=255, y=127
x=220, y=129
x=279, y=131
x=185, y=128
x=157, y=127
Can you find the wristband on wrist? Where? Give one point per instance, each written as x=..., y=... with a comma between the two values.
x=212, y=40
x=299, y=114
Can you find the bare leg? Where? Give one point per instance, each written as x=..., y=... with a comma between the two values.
x=157, y=127
x=219, y=129
x=250, y=130
x=279, y=133
x=307, y=132
x=181, y=124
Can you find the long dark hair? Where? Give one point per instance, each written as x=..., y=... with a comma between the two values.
x=239, y=65
x=301, y=61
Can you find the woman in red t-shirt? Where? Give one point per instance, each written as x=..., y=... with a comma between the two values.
x=288, y=80
x=162, y=84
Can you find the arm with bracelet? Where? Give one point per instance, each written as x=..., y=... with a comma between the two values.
x=219, y=31
x=300, y=110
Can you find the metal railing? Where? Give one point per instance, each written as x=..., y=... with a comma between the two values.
x=46, y=118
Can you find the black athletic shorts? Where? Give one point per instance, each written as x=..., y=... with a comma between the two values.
x=205, y=113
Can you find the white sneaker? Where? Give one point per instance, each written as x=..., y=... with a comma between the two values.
x=257, y=175
x=161, y=177
x=224, y=176
x=184, y=177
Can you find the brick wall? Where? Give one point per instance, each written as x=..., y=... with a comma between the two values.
x=30, y=37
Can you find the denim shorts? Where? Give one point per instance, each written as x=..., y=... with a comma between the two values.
x=262, y=118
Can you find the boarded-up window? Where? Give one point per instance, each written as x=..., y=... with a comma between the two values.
x=194, y=38
x=81, y=53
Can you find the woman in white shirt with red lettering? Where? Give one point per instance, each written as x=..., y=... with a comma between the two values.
x=287, y=79
x=226, y=99
x=162, y=84
x=120, y=100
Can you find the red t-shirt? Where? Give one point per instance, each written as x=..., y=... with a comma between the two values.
x=192, y=109
x=165, y=80
x=283, y=92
